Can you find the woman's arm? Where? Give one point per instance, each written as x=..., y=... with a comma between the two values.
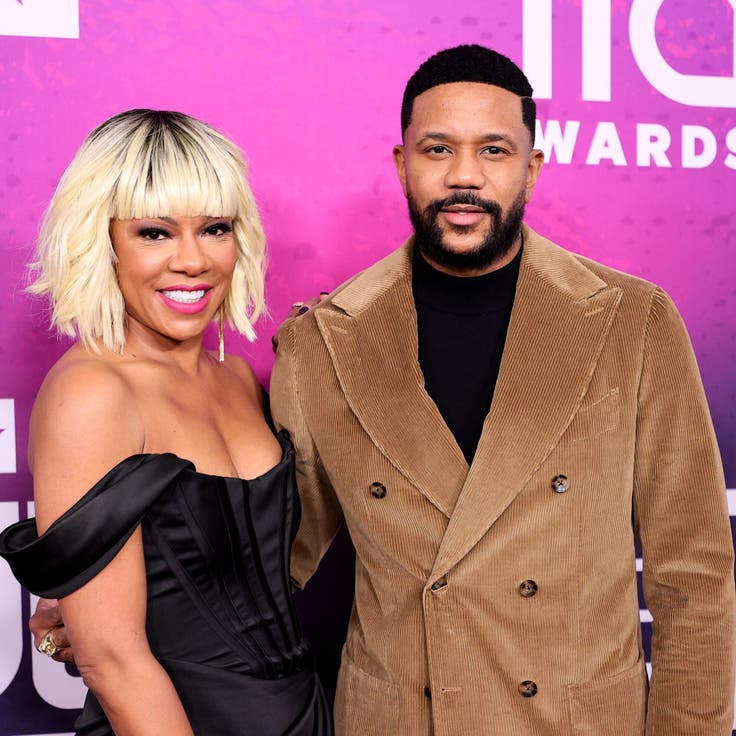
x=85, y=422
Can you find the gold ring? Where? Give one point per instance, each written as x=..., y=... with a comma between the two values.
x=297, y=304
x=47, y=645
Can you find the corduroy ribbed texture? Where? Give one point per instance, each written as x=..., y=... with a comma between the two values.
x=598, y=383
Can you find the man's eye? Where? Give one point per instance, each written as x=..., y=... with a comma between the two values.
x=494, y=150
x=437, y=149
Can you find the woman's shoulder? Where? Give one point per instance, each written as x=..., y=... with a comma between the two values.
x=244, y=374
x=84, y=422
x=85, y=395
x=83, y=380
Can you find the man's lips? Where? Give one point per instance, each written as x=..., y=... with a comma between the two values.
x=463, y=214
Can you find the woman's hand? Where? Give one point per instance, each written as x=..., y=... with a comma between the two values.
x=47, y=620
x=298, y=308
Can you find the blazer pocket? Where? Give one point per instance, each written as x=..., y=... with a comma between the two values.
x=364, y=704
x=614, y=706
x=596, y=418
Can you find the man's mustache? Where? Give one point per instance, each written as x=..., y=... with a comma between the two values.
x=490, y=206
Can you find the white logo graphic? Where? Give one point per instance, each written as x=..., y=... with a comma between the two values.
x=7, y=433
x=40, y=18
x=698, y=90
x=11, y=617
x=689, y=89
x=53, y=683
x=698, y=145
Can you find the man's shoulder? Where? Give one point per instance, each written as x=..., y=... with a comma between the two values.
x=565, y=264
x=615, y=277
x=359, y=291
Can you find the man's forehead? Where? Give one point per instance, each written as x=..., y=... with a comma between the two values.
x=478, y=90
x=467, y=101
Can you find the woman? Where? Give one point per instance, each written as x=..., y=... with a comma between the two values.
x=173, y=569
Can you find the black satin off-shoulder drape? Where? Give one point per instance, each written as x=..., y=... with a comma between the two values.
x=220, y=617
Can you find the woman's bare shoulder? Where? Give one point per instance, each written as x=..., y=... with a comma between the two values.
x=244, y=374
x=81, y=382
x=85, y=401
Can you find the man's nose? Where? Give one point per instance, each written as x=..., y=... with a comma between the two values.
x=465, y=171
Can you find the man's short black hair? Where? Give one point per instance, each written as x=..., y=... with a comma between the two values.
x=469, y=63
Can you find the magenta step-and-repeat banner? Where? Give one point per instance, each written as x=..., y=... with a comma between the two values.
x=637, y=102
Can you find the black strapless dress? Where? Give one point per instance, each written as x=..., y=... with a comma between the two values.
x=220, y=617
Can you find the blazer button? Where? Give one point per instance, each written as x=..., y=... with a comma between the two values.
x=560, y=484
x=439, y=584
x=528, y=688
x=528, y=588
x=427, y=693
x=378, y=490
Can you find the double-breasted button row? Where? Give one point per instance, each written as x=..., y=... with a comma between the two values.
x=560, y=484
x=378, y=490
x=528, y=588
x=528, y=689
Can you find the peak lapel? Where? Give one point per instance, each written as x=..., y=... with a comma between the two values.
x=373, y=344
x=561, y=316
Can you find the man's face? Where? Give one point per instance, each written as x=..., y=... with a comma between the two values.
x=467, y=170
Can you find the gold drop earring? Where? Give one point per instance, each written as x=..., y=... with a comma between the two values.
x=221, y=334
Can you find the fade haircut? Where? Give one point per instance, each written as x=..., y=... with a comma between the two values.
x=469, y=63
x=140, y=164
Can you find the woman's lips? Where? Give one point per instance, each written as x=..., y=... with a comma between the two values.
x=186, y=300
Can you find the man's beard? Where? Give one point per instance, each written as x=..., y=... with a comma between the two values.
x=499, y=240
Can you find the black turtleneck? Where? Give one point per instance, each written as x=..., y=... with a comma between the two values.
x=462, y=325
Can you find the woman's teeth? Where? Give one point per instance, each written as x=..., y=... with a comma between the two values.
x=185, y=297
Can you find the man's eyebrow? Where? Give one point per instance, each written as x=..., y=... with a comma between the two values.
x=432, y=135
x=436, y=136
x=500, y=138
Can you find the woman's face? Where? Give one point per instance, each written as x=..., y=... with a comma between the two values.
x=173, y=272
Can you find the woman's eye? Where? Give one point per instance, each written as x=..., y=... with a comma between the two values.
x=152, y=233
x=219, y=228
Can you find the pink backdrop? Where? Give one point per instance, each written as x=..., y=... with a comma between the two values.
x=640, y=137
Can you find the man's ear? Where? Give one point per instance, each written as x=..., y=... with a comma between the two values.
x=400, y=163
x=536, y=159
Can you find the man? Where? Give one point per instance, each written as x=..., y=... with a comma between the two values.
x=494, y=503
x=495, y=576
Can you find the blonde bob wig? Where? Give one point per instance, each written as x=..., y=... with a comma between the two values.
x=140, y=164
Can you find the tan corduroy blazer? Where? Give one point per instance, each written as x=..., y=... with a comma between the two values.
x=502, y=598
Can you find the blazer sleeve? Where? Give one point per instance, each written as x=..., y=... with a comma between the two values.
x=321, y=511
x=681, y=515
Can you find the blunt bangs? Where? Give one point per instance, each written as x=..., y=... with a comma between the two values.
x=170, y=171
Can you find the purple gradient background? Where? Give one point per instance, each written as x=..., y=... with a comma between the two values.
x=311, y=90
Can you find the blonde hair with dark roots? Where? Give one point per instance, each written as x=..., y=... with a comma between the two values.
x=139, y=164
